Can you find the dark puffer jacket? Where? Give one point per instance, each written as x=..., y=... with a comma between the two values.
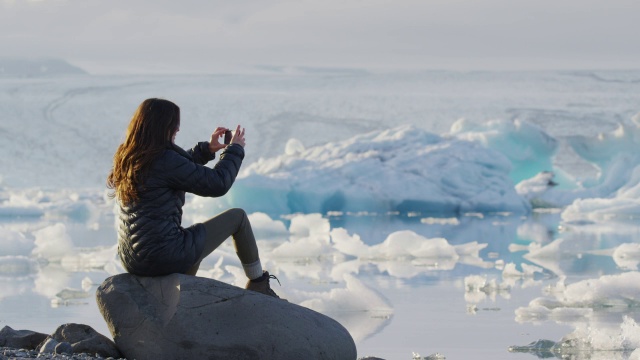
x=151, y=239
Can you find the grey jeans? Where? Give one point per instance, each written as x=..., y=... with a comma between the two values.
x=234, y=223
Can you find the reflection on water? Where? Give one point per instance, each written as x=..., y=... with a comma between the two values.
x=402, y=284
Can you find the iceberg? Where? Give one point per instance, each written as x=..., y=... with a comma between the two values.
x=500, y=166
x=401, y=169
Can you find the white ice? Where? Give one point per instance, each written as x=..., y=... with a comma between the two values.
x=336, y=152
x=596, y=309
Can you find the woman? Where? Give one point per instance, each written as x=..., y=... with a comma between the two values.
x=150, y=176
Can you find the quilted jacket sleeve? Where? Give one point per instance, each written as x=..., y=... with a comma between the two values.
x=201, y=153
x=180, y=172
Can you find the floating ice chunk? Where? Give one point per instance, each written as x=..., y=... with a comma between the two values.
x=474, y=282
x=14, y=285
x=15, y=204
x=596, y=343
x=583, y=297
x=402, y=251
x=310, y=225
x=627, y=256
x=532, y=188
x=14, y=243
x=357, y=307
x=434, y=356
x=53, y=242
x=510, y=271
x=265, y=227
x=113, y=268
x=542, y=348
x=238, y=277
x=602, y=341
x=532, y=313
x=17, y=266
x=216, y=272
x=610, y=290
x=469, y=249
x=309, y=238
x=347, y=244
x=87, y=283
x=7, y=210
x=538, y=232
x=343, y=299
x=397, y=245
x=73, y=294
x=528, y=271
x=87, y=259
x=478, y=288
x=601, y=210
x=551, y=250
x=79, y=206
x=51, y=279
x=302, y=248
x=440, y=221
x=630, y=333
x=541, y=309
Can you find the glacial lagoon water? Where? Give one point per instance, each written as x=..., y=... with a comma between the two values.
x=407, y=283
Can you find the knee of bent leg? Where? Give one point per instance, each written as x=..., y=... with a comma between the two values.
x=240, y=213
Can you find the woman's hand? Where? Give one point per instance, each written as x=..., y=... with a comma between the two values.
x=214, y=143
x=238, y=136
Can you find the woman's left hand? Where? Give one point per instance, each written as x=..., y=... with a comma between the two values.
x=214, y=143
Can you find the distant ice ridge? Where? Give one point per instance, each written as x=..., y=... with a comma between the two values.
x=19, y=67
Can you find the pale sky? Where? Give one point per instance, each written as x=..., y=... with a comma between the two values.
x=111, y=36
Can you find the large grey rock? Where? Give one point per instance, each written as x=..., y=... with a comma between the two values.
x=20, y=339
x=82, y=339
x=186, y=317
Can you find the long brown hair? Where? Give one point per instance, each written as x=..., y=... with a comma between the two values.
x=150, y=131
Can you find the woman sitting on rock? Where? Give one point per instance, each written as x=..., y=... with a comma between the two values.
x=150, y=176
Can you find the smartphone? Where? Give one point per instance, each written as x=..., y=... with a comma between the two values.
x=227, y=136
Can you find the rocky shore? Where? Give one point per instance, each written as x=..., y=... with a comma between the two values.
x=7, y=353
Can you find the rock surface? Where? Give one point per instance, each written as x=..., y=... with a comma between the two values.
x=187, y=317
x=20, y=339
x=79, y=338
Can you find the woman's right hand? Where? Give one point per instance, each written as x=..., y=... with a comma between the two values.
x=214, y=142
x=238, y=136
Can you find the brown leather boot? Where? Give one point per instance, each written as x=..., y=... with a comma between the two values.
x=261, y=284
